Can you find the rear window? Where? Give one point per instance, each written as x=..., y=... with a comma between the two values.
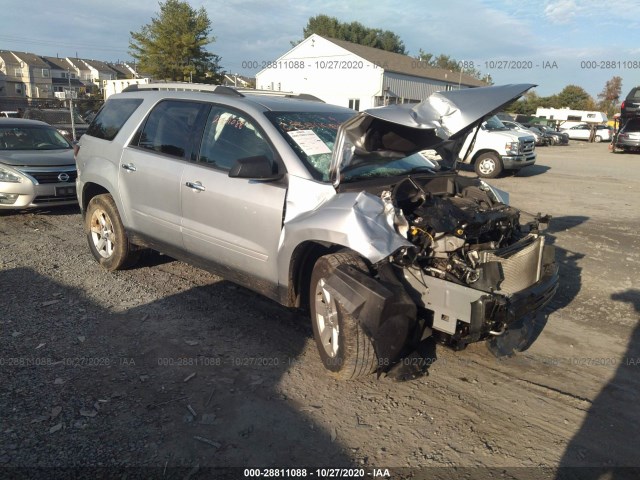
x=632, y=126
x=112, y=116
x=634, y=94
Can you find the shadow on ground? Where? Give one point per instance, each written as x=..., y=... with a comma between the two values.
x=185, y=381
x=610, y=429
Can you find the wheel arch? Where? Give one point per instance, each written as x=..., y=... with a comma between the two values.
x=303, y=260
x=483, y=151
x=89, y=191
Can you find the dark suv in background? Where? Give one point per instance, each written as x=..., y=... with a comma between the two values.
x=630, y=104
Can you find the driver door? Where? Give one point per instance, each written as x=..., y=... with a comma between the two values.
x=232, y=222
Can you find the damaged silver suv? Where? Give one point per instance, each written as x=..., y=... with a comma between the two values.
x=359, y=217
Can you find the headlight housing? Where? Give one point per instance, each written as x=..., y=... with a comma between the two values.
x=512, y=148
x=9, y=175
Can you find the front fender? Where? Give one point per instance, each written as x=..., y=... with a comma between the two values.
x=357, y=221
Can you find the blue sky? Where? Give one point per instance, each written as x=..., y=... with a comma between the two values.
x=584, y=42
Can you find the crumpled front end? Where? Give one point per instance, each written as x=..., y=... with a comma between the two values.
x=470, y=271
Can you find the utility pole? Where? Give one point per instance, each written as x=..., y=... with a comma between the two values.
x=73, y=123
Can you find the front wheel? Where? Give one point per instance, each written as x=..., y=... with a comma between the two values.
x=107, y=238
x=488, y=165
x=345, y=349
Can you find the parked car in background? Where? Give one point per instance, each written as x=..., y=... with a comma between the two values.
x=630, y=106
x=583, y=132
x=9, y=114
x=321, y=206
x=556, y=138
x=541, y=139
x=37, y=168
x=60, y=118
x=628, y=138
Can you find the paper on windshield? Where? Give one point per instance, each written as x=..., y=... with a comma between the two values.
x=309, y=142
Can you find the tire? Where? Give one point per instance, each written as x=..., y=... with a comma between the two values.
x=107, y=238
x=488, y=165
x=345, y=349
x=597, y=138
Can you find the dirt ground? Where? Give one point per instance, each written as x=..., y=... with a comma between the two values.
x=171, y=369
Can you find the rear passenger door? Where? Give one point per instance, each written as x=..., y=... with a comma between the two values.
x=232, y=222
x=151, y=168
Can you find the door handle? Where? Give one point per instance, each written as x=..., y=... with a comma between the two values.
x=197, y=186
x=130, y=167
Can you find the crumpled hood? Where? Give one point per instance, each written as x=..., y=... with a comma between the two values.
x=402, y=130
x=37, y=158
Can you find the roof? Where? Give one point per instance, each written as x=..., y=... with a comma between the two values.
x=121, y=69
x=8, y=58
x=398, y=63
x=56, y=63
x=77, y=63
x=98, y=65
x=21, y=122
x=31, y=59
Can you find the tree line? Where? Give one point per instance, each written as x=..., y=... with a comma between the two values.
x=573, y=97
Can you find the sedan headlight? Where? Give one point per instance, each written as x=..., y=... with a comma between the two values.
x=9, y=175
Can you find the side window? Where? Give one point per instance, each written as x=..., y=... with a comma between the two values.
x=171, y=128
x=112, y=117
x=228, y=136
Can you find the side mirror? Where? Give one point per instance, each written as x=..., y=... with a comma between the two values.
x=254, y=168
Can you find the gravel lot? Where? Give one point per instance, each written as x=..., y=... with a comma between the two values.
x=167, y=366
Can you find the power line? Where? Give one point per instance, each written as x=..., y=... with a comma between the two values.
x=57, y=43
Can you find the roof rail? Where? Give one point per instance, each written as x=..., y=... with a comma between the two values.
x=184, y=87
x=276, y=93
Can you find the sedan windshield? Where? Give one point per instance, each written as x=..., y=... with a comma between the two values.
x=32, y=138
x=312, y=136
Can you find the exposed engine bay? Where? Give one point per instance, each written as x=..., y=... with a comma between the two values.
x=473, y=257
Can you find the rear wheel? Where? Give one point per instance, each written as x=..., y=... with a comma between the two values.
x=597, y=138
x=107, y=238
x=488, y=165
x=345, y=349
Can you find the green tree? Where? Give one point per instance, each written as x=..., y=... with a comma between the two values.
x=354, y=32
x=446, y=62
x=172, y=46
x=610, y=96
x=575, y=98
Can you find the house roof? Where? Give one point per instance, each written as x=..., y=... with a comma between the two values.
x=77, y=63
x=31, y=59
x=56, y=63
x=398, y=63
x=121, y=69
x=98, y=65
x=8, y=58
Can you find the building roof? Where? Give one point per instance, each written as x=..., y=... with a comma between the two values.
x=398, y=63
x=31, y=59
x=121, y=69
x=56, y=63
x=77, y=63
x=8, y=58
x=98, y=65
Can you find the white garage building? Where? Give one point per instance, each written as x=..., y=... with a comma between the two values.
x=356, y=76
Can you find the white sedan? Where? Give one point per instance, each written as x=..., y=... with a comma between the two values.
x=583, y=131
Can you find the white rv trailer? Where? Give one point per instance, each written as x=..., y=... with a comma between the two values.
x=567, y=118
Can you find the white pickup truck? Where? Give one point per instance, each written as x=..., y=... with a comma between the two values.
x=497, y=148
